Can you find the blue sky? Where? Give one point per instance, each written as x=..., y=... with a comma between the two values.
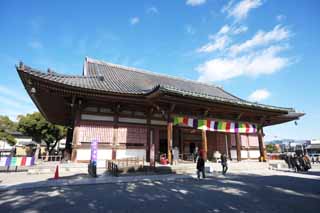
x=261, y=50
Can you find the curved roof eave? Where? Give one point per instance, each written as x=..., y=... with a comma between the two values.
x=59, y=80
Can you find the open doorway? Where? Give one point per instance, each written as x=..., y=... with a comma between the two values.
x=163, y=146
x=192, y=147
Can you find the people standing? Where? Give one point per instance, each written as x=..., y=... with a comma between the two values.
x=175, y=155
x=195, y=154
x=224, y=163
x=200, y=167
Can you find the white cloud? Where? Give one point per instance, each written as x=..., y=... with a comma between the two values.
x=219, y=43
x=225, y=29
x=13, y=113
x=261, y=38
x=35, y=44
x=6, y=91
x=240, y=30
x=259, y=95
x=233, y=30
x=195, y=2
x=152, y=10
x=221, y=39
x=262, y=62
x=240, y=10
x=281, y=17
x=14, y=103
x=190, y=30
x=134, y=20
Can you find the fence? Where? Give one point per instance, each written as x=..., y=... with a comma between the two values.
x=51, y=158
x=182, y=156
x=112, y=168
x=115, y=166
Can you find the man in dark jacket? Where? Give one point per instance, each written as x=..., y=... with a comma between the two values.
x=224, y=164
x=200, y=167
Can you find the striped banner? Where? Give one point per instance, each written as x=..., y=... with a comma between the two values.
x=216, y=125
x=16, y=161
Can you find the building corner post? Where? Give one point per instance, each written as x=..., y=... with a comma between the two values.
x=169, y=138
x=261, y=145
x=238, y=145
x=204, y=145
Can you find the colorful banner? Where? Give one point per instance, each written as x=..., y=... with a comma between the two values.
x=94, y=151
x=216, y=125
x=16, y=161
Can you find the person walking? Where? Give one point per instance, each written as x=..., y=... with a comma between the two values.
x=224, y=163
x=200, y=167
x=195, y=154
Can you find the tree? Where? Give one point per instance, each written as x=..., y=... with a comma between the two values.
x=6, y=127
x=35, y=126
x=271, y=148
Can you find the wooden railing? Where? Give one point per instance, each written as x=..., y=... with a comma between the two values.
x=182, y=156
x=114, y=166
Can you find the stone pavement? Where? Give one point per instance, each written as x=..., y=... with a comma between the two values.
x=23, y=180
x=271, y=191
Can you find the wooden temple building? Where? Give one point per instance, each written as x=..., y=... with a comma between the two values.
x=137, y=113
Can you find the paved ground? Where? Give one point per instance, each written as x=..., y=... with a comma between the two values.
x=273, y=191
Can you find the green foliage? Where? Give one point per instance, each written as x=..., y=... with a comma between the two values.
x=6, y=127
x=39, y=129
x=271, y=148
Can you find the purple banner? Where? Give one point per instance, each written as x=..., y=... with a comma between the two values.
x=94, y=150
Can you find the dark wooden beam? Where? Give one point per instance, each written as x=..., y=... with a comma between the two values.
x=239, y=116
x=238, y=145
x=169, y=137
x=172, y=108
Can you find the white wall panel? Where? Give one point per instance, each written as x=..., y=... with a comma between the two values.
x=129, y=153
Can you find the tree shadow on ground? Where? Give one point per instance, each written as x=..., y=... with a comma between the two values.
x=230, y=193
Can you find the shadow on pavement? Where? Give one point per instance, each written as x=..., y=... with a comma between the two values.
x=230, y=193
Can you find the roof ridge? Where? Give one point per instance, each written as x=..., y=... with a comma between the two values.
x=144, y=71
x=227, y=99
x=54, y=73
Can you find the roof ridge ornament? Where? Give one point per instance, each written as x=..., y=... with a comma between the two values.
x=21, y=65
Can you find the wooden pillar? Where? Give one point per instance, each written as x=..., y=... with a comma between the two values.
x=115, y=132
x=149, y=139
x=229, y=145
x=156, y=143
x=204, y=145
x=238, y=145
x=261, y=145
x=169, y=138
x=68, y=148
x=182, y=145
x=75, y=137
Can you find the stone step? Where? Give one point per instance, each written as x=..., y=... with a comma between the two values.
x=179, y=168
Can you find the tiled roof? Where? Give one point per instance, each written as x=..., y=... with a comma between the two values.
x=130, y=80
x=106, y=77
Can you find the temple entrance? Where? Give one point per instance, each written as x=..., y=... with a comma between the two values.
x=163, y=146
x=163, y=143
x=192, y=147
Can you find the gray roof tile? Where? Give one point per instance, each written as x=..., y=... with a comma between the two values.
x=107, y=77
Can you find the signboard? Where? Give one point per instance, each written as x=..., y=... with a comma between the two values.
x=152, y=155
x=152, y=150
x=94, y=151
